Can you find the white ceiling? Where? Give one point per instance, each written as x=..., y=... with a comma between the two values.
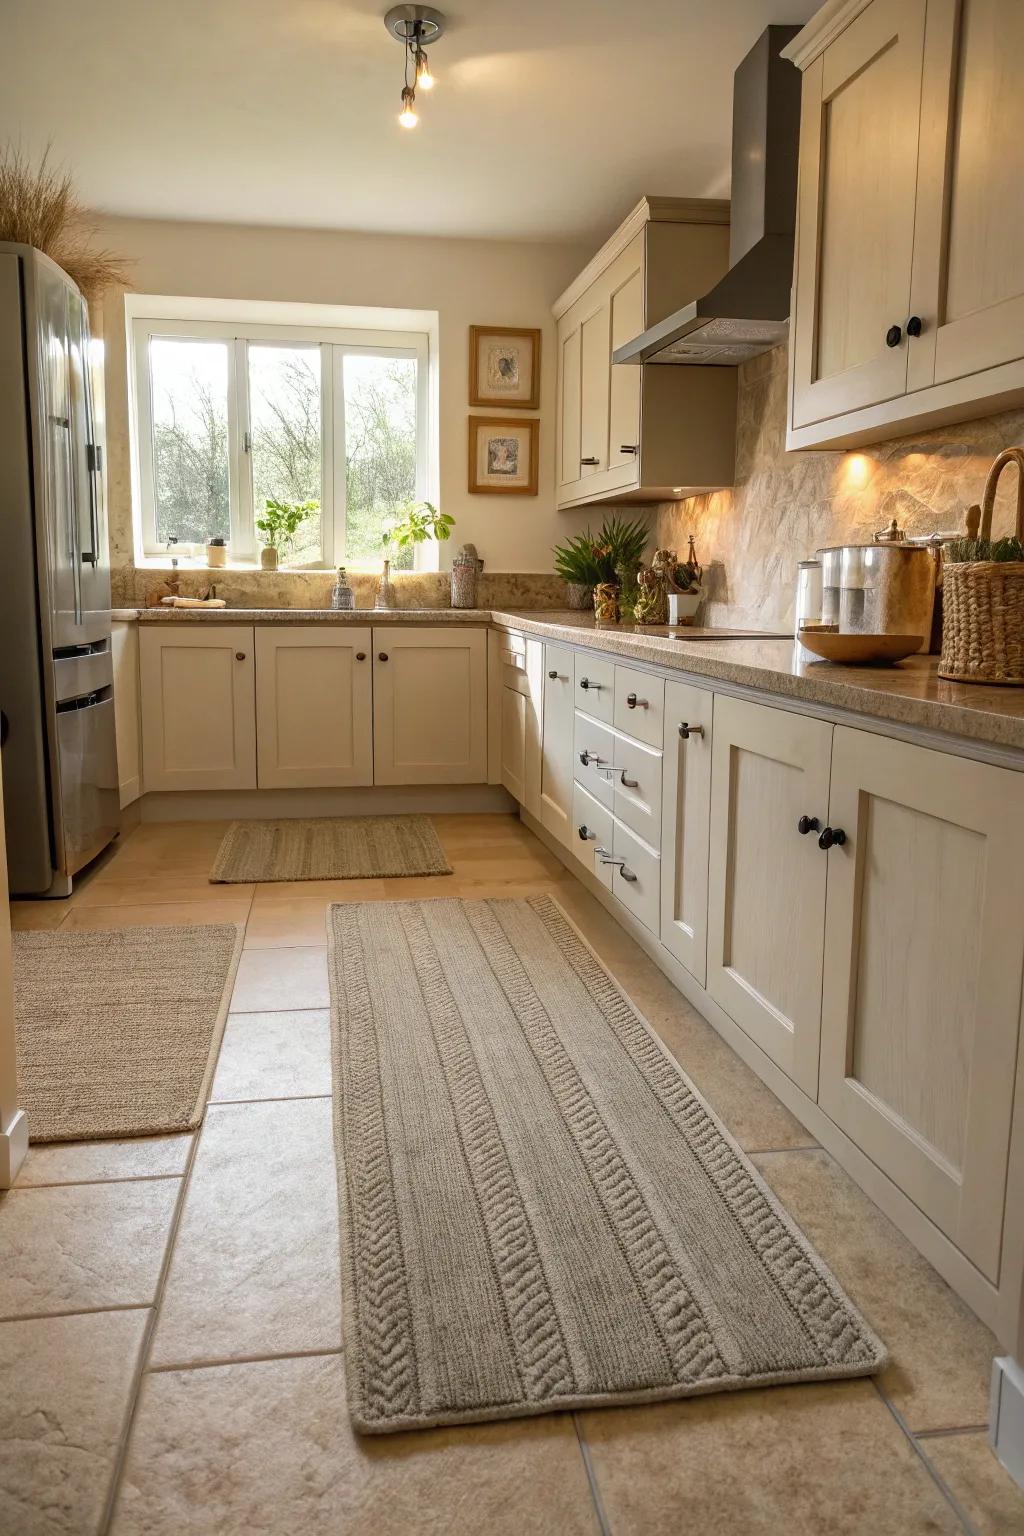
x=550, y=117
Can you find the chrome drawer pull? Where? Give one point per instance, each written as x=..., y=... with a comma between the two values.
x=588, y=757
x=585, y=832
x=632, y=702
x=609, y=859
x=627, y=874
x=628, y=783
x=686, y=730
x=586, y=683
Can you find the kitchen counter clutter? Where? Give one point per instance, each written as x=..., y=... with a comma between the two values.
x=910, y=694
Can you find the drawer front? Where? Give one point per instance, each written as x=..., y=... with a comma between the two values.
x=637, y=881
x=593, y=746
x=640, y=705
x=593, y=828
x=595, y=686
x=516, y=678
x=636, y=788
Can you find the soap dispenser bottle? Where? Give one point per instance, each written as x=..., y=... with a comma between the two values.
x=342, y=598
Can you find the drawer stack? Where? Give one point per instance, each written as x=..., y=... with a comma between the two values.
x=618, y=733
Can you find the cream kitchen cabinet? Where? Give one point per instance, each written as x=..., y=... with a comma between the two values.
x=922, y=975
x=429, y=705
x=556, y=749
x=124, y=650
x=685, y=818
x=314, y=706
x=629, y=432
x=766, y=881
x=198, y=706
x=909, y=284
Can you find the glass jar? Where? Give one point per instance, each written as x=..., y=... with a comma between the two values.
x=343, y=599
x=809, y=594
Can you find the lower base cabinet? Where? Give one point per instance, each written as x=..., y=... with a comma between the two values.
x=685, y=814
x=429, y=705
x=922, y=981
x=196, y=686
x=556, y=743
x=314, y=707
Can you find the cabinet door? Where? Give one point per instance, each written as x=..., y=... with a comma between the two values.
x=968, y=286
x=429, y=705
x=314, y=715
x=124, y=647
x=858, y=173
x=556, y=745
x=570, y=405
x=595, y=376
x=922, y=988
x=627, y=321
x=513, y=742
x=766, y=906
x=534, y=725
x=686, y=809
x=198, y=707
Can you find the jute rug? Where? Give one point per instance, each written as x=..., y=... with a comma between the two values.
x=118, y=1030
x=335, y=848
x=538, y=1209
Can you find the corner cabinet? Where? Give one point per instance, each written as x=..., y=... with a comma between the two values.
x=909, y=286
x=633, y=432
x=429, y=705
x=196, y=686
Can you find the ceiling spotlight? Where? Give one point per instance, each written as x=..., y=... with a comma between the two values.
x=414, y=26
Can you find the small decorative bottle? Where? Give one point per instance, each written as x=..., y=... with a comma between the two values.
x=466, y=567
x=342, y=598
x=385, y=597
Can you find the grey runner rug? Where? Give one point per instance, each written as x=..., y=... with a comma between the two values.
x=329, y=848
x=538, y=1209
x=118, y=1030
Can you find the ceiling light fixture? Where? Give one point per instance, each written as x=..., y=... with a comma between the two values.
x=414, y=26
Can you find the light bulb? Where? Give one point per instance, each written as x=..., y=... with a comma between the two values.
x=407, y=117
x=424, y=79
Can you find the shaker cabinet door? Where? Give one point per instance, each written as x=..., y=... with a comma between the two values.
x=922, y=980
x=429, y=705
x=858, y=173
x=766, y=911
x=314, y=711
x=686, y=811
x=198, y=706
x=556, y=743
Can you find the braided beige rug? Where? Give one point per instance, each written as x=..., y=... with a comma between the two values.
x=538, y=1209
x=118, y=1030
x=329, y=848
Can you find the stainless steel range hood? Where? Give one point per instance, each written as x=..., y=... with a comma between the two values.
x=748, y=311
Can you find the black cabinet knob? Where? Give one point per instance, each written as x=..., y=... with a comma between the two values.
x=590, y=459
x=915, y=325
x=807, y=824
x=585, y=832
x=239, y=655
x=382, y=655
x=686, y=730
x=893, y=336
x=553, y=676
x=832, y=836
x=360, y=655
x=632, y=702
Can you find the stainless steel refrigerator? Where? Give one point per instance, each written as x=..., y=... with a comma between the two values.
x=56, y=678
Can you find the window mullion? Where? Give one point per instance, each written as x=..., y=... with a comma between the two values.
x=327, y=539
x=243, y=531
x=340, y=479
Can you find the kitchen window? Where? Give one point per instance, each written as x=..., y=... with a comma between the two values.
x=228, y=416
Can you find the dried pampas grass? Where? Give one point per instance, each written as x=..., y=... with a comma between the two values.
x=38, y=207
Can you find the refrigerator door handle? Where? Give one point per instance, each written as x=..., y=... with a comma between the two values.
x=91, y=556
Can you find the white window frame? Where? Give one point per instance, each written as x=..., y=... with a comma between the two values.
x=335, y=345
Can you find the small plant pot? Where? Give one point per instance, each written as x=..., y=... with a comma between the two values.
x=683, y=606
x=578, y=594
x=268, y=558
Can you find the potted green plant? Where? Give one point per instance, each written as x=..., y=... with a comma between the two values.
x=591, y=560
x=280, y=522
x=421, y=521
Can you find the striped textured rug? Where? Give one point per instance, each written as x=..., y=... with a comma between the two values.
x=329, y=848
x=538, y=1209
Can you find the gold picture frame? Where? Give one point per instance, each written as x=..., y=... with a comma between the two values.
x=503, y=455
x=504, y=367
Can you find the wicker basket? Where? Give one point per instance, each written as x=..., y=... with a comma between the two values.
x=983, y=603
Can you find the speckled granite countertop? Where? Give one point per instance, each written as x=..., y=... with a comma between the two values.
x=909, y=693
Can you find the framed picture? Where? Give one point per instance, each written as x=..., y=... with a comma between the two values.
x=503, y=456
x=504, y=366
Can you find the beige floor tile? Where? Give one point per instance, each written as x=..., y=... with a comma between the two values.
x=823, y=1460
x=85, y=1162
x=81, y=1246
x=941, y=1353
x=284, y=924
x=267, y=1448
x=274, y=892
x=983, y=1488
x=275, y=980
x=64, y=1390
x=31, y=916
x=274, y=1056
x=156, y=889
x=255, y=1265
x=181, y=913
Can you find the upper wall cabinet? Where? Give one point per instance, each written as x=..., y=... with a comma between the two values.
x=628, y=432
x=909, y=287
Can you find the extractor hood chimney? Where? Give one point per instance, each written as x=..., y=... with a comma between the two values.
x=748, y=311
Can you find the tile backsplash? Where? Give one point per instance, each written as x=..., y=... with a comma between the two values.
x=135, y=587
x=784, y=506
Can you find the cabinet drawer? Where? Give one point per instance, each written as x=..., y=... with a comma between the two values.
x=640, y=705
x=593, y=745
x=636, y=786
x=593, y=828
x=637, y=881
x=595, y=686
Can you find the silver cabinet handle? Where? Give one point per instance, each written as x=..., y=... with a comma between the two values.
x=585, y=684
x=627, y=874
x=588, y=757
x=590, y=460
x=632, y=702
x=553, y=676
x=686, y=730
x=628, y=783
x=608, y=858
x=629, y=447
x=585, y=833
x=602, y=854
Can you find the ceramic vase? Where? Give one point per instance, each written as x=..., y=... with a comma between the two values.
x=268, y=558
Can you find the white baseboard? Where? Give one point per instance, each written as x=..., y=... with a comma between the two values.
x=1006, y=1417
x=13, y=1146
x=373, y=800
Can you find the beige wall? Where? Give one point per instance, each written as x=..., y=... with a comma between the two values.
x=786, y=505
x=468, y=282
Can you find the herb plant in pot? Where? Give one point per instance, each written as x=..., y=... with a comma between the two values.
x=421, y=521
x=591, y=560
x=278, y=525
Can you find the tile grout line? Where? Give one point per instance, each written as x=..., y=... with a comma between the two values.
x=220, y=1361
x=943, y=1434
x=588, y=1466
x=113, y=1306
x=146, y=1344
x=933, y=1471
x=278, y=1098
x=115, y=1178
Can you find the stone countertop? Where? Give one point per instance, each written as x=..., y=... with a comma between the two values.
x=910, y=693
